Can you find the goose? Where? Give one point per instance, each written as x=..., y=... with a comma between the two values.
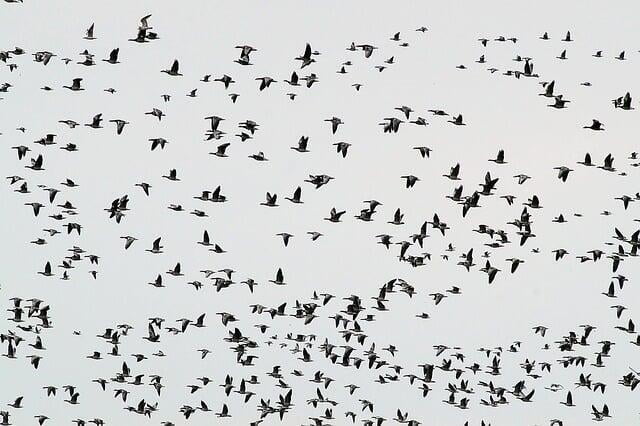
x=335, y=122
x=174, y=70
x=271, y=200
x=113, y=56
x=145, y=187
x=608, y=164
x=72, y=124
x=296, y=196
x=156, y=113
x=129, y=240
x=548, y=92
x=157, y=142
x=625, y=200
x=36, y=163
x=259, y=156
x=314, y=235
x=43, y=57
x=21, y=150
x=265, y=82
x=367, y=49
x=306, y=57
x=156, y=247
x=119, y=125
x=95, y=122
x=410, y=180
x=424, y=151
x=587, y=160
x=334, y=215
x=563, y=172
x=244, y=59
x=175, y=271
x=89, y=33
x=626, y=102
x=533, y=202
x=397, y=218
x=319, y=180
x=73, y=400
x=595, y=125
x=75, y=86
x=499, y=158
x=226, y=80
x=453, y=173
x=285, y=237
x=293, y=81
x=173, y=175
x=405, y=110
x=279, y=280
x=457, y=121
x=559, y=102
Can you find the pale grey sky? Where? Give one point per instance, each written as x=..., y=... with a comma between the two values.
x=500, y=112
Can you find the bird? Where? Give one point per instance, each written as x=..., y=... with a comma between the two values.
x=306, y=58
x=457, y=121
x=563, y=172
x=75, y=85
x=119, y=125
x=425, y=152
x=265, y=82
x=335, y=122
x=595, y=125
x=174, y=70
x=113, y=56
x=358, y=283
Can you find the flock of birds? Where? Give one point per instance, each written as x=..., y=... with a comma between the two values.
x=470, y=378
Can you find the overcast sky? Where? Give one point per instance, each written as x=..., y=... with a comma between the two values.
x=501, y=112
